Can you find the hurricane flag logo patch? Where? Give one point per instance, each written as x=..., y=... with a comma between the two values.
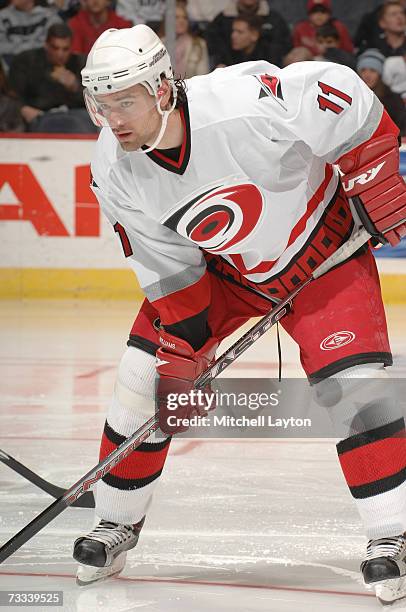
x=270, y=86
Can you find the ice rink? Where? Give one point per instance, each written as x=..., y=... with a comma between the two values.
x=244, y=525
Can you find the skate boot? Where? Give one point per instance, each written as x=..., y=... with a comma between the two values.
x=102, y=552
x=384, y=568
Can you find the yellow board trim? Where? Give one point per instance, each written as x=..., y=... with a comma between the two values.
x=89, y=284
x=115, y=284
x=393, y=288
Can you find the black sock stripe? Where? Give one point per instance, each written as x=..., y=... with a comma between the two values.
x=129, y=484
x=379, y=486
x=373, y=435
x=145, y=447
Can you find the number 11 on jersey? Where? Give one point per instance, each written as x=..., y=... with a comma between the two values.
x=327, y=103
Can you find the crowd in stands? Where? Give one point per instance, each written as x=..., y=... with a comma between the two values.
x=44, y=43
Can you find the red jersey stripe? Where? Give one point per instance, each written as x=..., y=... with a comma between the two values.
x=313, y=203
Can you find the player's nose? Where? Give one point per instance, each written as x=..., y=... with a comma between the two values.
x=115, y=120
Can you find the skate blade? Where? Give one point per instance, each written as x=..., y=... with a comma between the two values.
x=389, y=591
x=89, y=574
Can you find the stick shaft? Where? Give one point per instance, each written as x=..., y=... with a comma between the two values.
x=86, y=501
x=80, y=487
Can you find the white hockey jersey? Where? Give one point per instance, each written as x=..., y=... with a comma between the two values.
x=253, y=182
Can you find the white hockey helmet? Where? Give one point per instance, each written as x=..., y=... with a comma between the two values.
x=122, y=58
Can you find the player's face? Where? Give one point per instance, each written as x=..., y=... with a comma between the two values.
x=394, y=19
x=132, y=115
x=58, y=51
x=369, y=76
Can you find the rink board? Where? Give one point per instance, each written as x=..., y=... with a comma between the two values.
x=56, y=244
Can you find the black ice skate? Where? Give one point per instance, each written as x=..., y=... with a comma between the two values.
x=102, y=552
x=384, y=568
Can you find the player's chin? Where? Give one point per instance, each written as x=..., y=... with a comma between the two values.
x=129, y=146
x=128, y=142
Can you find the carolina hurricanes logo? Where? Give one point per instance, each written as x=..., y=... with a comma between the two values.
x=219, y=219
x=270, y=85
x=337, y=340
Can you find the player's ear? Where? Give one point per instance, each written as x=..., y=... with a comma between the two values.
x=164, y=93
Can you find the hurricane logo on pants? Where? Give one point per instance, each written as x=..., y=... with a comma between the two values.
x=219, y=219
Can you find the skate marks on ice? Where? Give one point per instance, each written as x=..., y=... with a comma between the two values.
x=262, y=526
x=199, y=571
x=200, y=592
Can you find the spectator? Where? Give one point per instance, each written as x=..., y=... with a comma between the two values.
x=370, y=68
x=204, y=11
x=297, y=54
x=394, y=74
x=328, y=40
x=247, y=44
x=369, y=32
x=392, y=21
x=24, y=26
x=274, y=29
x=319, y=13
x=65, y=8
x=150, y=12
x=191, y=55
x=94, y=17
x=10, y=115
x=47, y=83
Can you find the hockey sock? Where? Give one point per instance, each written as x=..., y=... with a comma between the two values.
x=372, y=450
x=124, y=494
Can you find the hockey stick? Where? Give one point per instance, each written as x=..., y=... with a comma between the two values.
x=86, y=501
x=132, y=442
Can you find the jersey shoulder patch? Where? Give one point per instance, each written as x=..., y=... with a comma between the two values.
x=270, y=86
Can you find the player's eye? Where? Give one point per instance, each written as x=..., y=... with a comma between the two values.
x=126, y=103
x=104, y=107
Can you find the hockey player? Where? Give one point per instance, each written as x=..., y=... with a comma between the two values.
x=223, y=187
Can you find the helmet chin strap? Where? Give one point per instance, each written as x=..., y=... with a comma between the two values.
x=165, y=116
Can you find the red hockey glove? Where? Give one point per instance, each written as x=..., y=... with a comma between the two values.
x=178, y=366
x=371, y=172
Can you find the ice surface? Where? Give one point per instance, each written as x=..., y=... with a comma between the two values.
x=236, y=525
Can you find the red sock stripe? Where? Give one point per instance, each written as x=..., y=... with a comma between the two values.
x=138, y=465
x=374, y=461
